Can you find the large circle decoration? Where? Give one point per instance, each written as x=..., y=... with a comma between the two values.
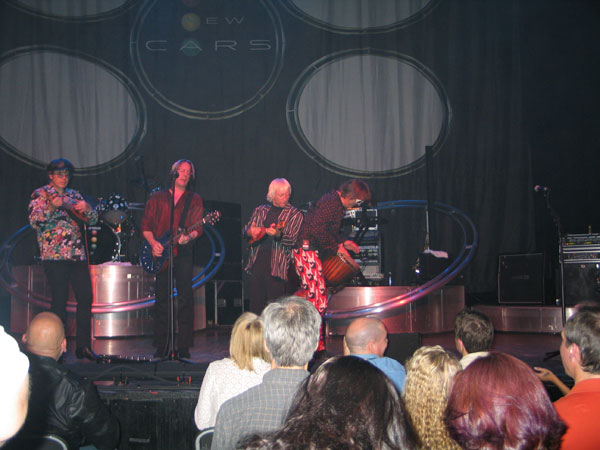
x=54, y=101
x=367, y=112
x=73, y=10
x=359, y=16
x=208, y=60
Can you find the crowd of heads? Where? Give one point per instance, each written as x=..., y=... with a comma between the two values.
x=496, y=402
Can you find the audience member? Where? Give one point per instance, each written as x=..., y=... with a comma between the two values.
x=14, y=387
x=224, y=379
x=580, y=355
x=61, y=402
x=497, y=402
x=346, y=404
x=366, y=337
x=429, y=374
x=473, y=335
x=291, y=334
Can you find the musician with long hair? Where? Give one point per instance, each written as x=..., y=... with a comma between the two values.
x=56, y=213
x=321, y=237
x=188, y=209
x=272, y=231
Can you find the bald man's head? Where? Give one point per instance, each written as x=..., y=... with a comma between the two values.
x=366, y=335
x=45, y=336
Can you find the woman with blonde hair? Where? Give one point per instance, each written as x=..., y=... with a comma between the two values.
x=428, y=377
x=224, y=379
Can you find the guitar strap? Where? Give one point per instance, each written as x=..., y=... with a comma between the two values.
x=186, y=207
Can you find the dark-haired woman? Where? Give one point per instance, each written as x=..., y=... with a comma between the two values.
x=347, y=404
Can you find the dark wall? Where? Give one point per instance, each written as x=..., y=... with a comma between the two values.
x=520, y=78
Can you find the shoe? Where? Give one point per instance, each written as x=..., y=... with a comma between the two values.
x=184, y=353
x=86, y=353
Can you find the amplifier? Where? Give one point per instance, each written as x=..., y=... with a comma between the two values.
x=578, y=248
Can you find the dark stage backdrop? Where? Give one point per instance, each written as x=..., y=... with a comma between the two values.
x=316, y=91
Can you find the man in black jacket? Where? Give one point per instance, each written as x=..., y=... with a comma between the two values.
x=61, y=402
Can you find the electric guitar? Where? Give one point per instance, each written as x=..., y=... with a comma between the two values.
x=263, y=231
x=154, y=265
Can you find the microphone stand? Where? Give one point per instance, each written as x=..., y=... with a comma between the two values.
x=556, y=220
x=171, y=353
x=561, y=257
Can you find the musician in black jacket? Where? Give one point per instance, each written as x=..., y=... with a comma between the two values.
x=155, y=224
x=321, y=237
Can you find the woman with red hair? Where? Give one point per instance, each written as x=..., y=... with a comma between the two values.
x=499, y=403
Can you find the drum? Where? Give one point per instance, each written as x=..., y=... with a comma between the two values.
x=103, y=243
x=338, y=269
x=115, y=210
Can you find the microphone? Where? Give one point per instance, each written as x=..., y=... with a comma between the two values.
x=538, y=188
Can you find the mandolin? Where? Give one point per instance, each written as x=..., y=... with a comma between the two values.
x=68, y=206
x=263, y=232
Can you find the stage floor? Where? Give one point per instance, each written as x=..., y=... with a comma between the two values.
x=213, y=343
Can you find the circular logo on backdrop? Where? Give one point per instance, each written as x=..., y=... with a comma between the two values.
x=207, y=60
x=368, y=113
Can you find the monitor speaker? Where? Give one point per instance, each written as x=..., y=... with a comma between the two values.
x=521, y=278
x=582, y=282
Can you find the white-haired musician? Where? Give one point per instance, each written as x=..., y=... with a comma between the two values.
x=273, y=230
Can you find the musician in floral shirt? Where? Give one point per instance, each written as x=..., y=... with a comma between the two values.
x=54, y=211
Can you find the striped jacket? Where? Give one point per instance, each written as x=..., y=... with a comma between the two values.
x=281, y=248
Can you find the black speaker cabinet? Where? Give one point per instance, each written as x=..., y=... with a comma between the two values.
x=582, y=282
x=155, y=418
x=401, y=346
x=230, y=229
x=521, y=278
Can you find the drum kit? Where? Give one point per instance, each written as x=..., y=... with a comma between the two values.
x=115, y=237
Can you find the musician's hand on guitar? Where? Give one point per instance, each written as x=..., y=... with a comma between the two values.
x=254, y=232
x=81, y=206
x=352, y=246
x=157, y=249
x=272, y=230
x=184, y=239
x=56, y=202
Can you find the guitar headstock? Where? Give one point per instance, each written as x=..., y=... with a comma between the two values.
x=212, y=217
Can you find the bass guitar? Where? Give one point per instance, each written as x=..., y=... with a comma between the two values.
x=155, y=265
